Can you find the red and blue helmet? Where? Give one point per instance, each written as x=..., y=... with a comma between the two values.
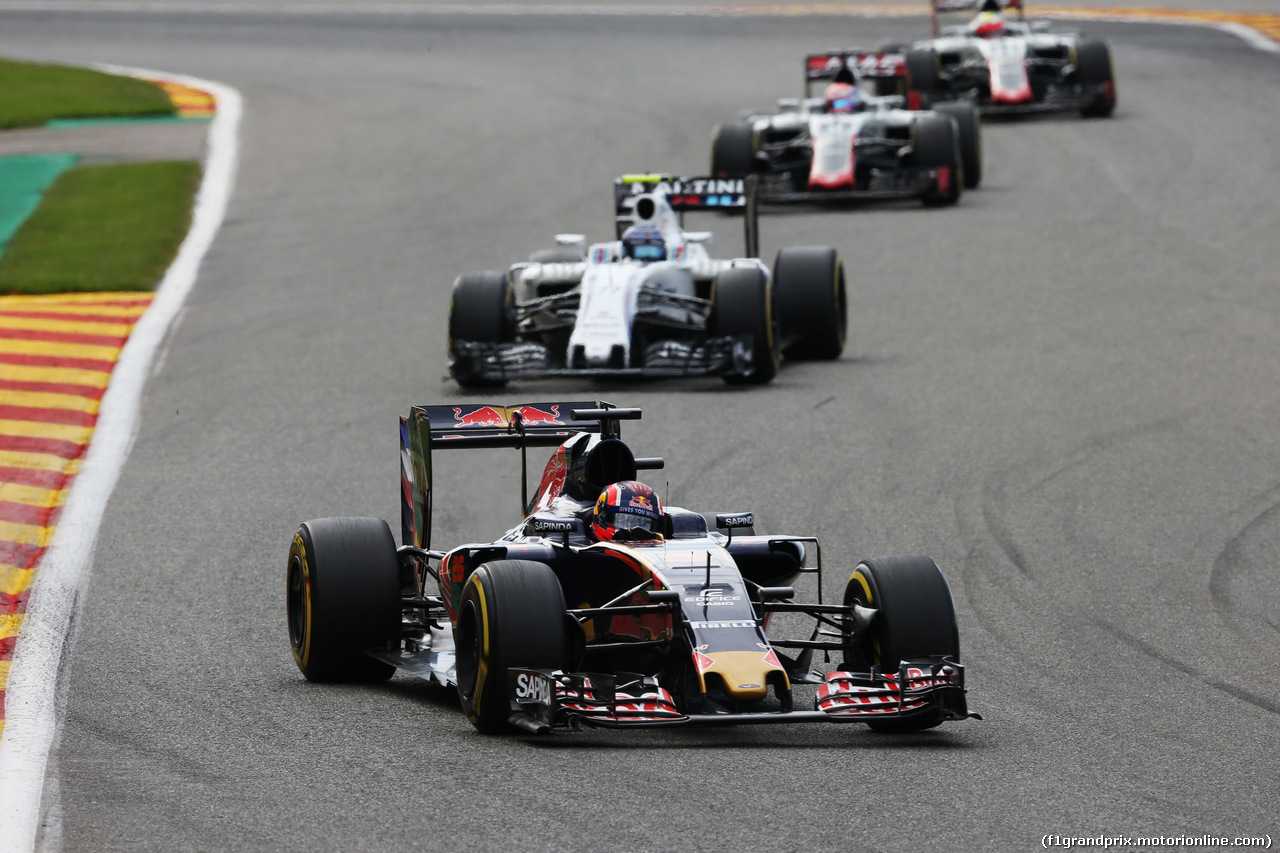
x=644, y=243
x=628, y=511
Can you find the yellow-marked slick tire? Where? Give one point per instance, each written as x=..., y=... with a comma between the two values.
x=342, y=594
x=512, y=613
x=915, y=618
x=813, y=307
x=743, y=303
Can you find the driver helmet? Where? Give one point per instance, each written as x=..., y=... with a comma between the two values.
x=644, y=243
x=987, y=25
x=843, y=98
x=628, y=511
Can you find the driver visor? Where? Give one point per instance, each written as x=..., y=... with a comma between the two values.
x=630, y=521
x=648, y=253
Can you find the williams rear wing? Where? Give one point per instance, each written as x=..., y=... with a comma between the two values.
x=849, y=65
x=474, y=425
x=725, y=195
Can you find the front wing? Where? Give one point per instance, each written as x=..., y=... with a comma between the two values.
x=544, y=700
x=717, y=356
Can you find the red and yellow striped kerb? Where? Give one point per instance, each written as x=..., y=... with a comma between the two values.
x=190, y=103
x=56, y=356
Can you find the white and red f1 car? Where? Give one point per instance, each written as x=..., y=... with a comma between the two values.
x=808, y=151
x=1007, y=65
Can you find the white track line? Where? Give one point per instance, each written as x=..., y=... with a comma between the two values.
x=32, y=713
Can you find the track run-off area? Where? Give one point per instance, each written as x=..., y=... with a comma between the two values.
x=1063, y=390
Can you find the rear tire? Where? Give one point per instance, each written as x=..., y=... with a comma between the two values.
x=512, y=613
x=916, y=619
x=480, y=311
x=970, y=127
x=342, y=593
x=743, y=304
x=812, y=303
x=733, y=150
x=1095, y=70
x=937, y=147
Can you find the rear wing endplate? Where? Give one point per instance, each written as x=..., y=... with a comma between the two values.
x=476, y=425
x=725, y=195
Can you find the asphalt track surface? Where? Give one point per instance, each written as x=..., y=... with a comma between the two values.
x=1063, y=390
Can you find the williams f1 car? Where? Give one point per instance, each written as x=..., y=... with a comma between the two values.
x=1009, y=66
x=566, y=622
x=651, y=303
x=856, y=143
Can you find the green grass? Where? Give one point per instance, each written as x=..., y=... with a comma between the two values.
x=113, y=227
x=32, y=94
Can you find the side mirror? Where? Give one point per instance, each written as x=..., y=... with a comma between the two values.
x=703, y=237
x=578, y=240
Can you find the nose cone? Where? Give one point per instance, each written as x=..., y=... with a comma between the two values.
x=745, y=674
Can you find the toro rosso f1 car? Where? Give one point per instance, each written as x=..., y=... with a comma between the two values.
x=651, y=303
x=856, y=143
x=604, y=608
x=1009, y=66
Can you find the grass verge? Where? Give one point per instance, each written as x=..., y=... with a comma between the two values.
x=32, y=94
x=113, y=227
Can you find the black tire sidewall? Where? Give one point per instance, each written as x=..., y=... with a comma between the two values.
x=518, y=612
x=812, y=301
x=733, y=150
x=351, y=601
x=743, y=302
x=915, y=615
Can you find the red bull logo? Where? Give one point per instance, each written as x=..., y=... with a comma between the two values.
x=642, y=502
x=485, y=416
x=532, y=416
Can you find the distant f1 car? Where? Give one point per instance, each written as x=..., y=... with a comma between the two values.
x=1009, y=66
x=588, y=613
x=856, y=143
x=652, y=303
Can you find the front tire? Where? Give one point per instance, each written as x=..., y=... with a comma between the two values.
x=812, y=302
x=937, y=147
x=915, y=619
x=479, y=312
x=970, y=127
x=512, y=613
x=733, y=150
x=923, y=73
x=342, y=594
x=743, y=304
x=1094, y=70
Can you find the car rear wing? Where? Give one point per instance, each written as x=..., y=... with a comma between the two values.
x=849, y=65
x=478, y=425
x=725, y=195
x=936, y=6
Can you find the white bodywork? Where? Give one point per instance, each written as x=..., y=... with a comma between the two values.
x=833, y=134
x=1006, y=56
x=610, y=285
